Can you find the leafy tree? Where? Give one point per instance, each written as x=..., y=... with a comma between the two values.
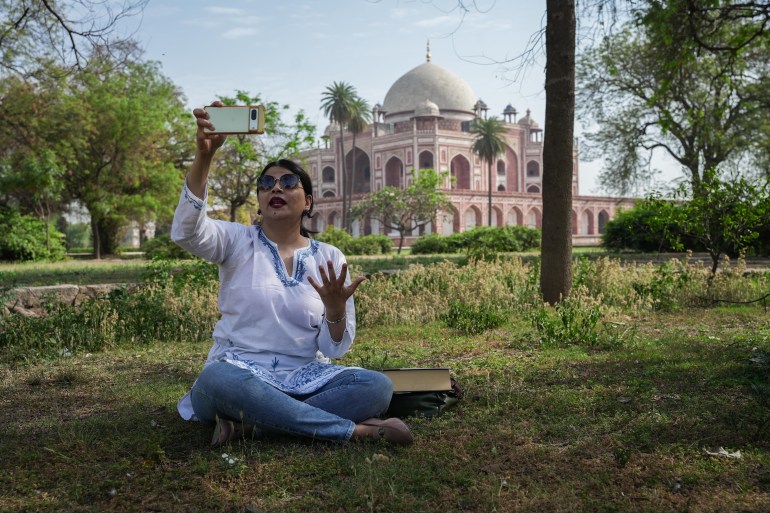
x=27, y=238
x=700, y=111
x=337, y=103
x=360, y=116
x=118, y=165
x=725, y=219
x=405, y=210
x=488, y=143
x=35, y=181
x=233, y=179
x=692, y=26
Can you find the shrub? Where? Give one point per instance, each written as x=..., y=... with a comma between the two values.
x=175, y=303
x=480, y=240
x=472, y=319
x=385, y=242
x=431, y=244
x=636, y=230
x=24, y=238
x=336, y=237
x=578, y=320
x=78, y=236
x=162, y=247
x=366, y=245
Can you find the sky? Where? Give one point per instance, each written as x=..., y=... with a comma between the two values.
x=289, y=51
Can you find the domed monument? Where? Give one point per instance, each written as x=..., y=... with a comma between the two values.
x=424, y=123
x=450, y=93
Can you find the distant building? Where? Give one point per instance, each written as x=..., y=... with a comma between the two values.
x=424, y=123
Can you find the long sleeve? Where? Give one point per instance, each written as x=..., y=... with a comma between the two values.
x=194, y=231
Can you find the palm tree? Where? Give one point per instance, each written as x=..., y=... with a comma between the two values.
x=360, y=116
x=336, y=103
x=488, y=144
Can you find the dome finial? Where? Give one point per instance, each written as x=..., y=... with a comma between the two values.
x=427, y=55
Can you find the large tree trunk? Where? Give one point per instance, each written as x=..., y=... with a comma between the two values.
x=556, y=251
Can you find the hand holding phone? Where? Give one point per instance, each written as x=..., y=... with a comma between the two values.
x=228, y=120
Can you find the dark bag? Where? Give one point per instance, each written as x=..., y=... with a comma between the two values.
x=424, y=404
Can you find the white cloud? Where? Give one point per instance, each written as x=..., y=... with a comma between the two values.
x=237, y=33
x=229, y=11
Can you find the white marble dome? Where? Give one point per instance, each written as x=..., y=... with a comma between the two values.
x=450, y=93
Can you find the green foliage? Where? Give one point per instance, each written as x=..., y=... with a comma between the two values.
x=365, y=245
x=474, y=318
x=431, y=243
x=663, y=285
x=24, y=238
x=640, y=228
x=405, y=210
x=721, y=217
x=78, y=236
x=162, y=247
x=725, y=217
x=120, y=161
x=647, y=88
x=33, y=179
x=370, y=245
x=480, y=240
x=174, y=304
x=577, y=320
x=341, y=104
x=62, y=332
x=336, y=237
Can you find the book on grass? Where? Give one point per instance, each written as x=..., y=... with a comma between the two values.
x=419, y=379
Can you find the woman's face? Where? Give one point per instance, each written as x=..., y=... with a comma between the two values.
x=280, y=201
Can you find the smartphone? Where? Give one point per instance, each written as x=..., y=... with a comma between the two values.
x=239, y=119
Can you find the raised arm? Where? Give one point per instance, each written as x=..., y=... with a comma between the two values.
x=206, y=146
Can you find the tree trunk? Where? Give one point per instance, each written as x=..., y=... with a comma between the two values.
x=556, y=250
x=351, y=184
x=489, y=198
x=96, y=239
x=344, y=177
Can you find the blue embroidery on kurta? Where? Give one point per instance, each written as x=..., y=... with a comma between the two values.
x=195, y=203
x=302, y=254
x=306, y=379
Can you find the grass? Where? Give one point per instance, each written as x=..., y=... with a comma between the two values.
x=561, y=412
x=75, y=272
x=540, y=429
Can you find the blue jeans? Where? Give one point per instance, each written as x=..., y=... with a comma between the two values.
x=329, y=413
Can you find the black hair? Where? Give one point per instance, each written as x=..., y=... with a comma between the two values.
x=307, y=186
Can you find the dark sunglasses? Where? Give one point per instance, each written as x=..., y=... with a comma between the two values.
x=287, y=181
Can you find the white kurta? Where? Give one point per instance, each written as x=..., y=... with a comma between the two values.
x=272, y=322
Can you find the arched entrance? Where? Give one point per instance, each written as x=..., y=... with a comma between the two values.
x=460, y=169
x=360, y=171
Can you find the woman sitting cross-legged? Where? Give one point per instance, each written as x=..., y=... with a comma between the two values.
x=286, y=304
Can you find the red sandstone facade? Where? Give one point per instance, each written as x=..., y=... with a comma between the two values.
x=423, y=124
